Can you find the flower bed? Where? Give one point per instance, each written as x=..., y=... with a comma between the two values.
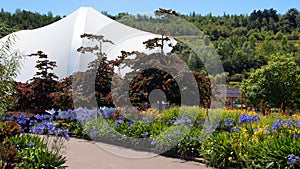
x=230, y=138
x=22, y=147
x=240, y=139
x=255, y=142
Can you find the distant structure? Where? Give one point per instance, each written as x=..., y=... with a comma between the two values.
x=60, y=40
x=231, y=94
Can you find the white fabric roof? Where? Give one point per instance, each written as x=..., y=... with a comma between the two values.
x=61, y=40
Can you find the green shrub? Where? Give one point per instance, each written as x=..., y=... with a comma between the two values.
x=33, y=153
x=218, y=151
x=8, y=151
x=190, y=146
x=9, y=63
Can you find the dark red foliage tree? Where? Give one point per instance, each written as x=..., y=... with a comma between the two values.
x=43, y=83
x=99, y=74
x=35, y=95
x=62, y=97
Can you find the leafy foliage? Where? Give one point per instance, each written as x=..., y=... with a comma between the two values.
x=243, y=42
x=43, y=83
x=9, y=63
x=33, y=153
x=22, y=19
x=96, y=81
x=276, y=83
x=36, y=94
x=8, y=151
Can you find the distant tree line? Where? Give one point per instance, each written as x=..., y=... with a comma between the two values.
x=243, y=42
x=21, y=19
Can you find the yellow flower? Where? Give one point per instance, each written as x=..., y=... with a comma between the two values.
x=259, y=131
x=296, y=116
x=255, y=139
x=243, y=130
x=143, y=112
x=230, y=158
x=119, y=109
x=152, y=111
x=252, y=113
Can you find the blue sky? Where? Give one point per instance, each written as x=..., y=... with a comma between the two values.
x=216, y=7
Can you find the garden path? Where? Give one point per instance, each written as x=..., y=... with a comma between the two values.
x=83, y=154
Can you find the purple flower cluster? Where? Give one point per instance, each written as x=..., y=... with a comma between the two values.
x=153, y=142
x=171, y=121
x=108, y=112
x=22, y=119
x=69, y=114
x=277, y=125
x=227, y=122
x=44, y=117
x=246, y=119
x=119, y=120
x=184, y=120
x=84, y=115
x=93, y=133
x=50, y=128
x=130, y=123
x=292, y=159
x=174, y=133
x=30, y=144
x=201, y=122
x=235, y=129
x=280, y=123
x=39, y=124
x=145, y=134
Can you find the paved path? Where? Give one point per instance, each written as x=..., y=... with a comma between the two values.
x=83, y=154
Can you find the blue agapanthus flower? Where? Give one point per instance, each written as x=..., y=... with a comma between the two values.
x=246, y=119
x=145, y=134
x=130, y=123
x=292, y=159
x=277, y=125
x=235, y=129
x=176, y=132
x=183, y=120
x=107, y=112
x=119, y=120
x=22, y=120
x=153, y=142
x=227, y=122
x=30, y=144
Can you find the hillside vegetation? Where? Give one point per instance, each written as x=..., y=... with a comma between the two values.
x=243, y=42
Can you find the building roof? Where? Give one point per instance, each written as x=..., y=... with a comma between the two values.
x=233, y=92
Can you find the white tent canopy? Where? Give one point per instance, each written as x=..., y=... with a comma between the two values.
x=61, y=40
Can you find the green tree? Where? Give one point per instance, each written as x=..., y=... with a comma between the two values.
x=9, y=64
x=276, y=83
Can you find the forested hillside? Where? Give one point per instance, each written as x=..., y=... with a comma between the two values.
x=243, y=42
x=21, y=19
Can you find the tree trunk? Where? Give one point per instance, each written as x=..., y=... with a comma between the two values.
x=282, y=108
x=263, y=107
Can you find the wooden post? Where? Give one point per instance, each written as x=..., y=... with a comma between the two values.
x=242, y=101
